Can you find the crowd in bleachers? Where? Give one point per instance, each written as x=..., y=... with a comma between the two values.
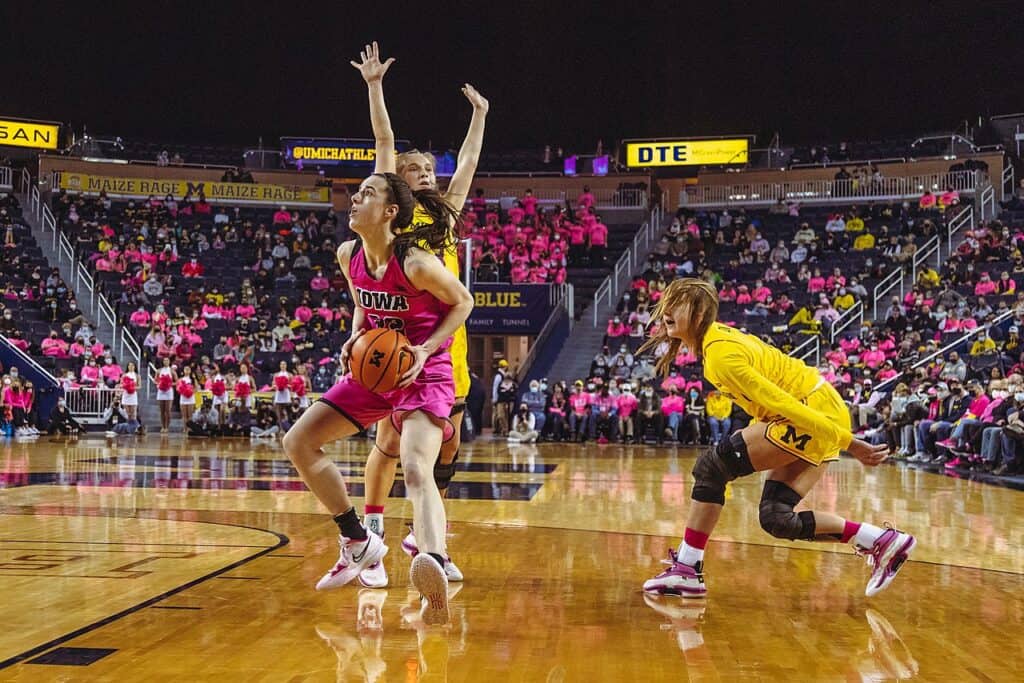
x=226, y=304
x=529, y=244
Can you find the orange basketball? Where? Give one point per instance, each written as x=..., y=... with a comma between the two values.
x=379, y=359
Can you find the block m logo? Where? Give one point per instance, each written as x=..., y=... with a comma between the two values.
x=195, y=189
x=795, y=439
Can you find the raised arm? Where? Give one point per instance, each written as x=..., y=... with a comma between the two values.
x=469, y=154
x=373, y=72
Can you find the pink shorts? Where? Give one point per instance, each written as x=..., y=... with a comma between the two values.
x=433, y=392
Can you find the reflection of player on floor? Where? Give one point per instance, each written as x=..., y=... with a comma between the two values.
x=800, y=423
x=402, y=287
x=418, y=170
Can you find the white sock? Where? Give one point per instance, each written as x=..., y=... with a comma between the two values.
x=374, y=521
x=689, y=555
x=867, y=535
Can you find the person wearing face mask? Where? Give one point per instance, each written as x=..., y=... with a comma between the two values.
x=524, y=428
x=649, y=416
x=969, y=434
x=693, y=418
x=953, y=403
x=1003, y=438
x=626, y=405
x=605, y=415
x=718, y=409
x=536, y=402
x=61, y=421
x=556, y=415
x=643, y=371
x=580, y=415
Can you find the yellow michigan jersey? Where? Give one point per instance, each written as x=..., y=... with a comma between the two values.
x=459, y=349
x=805, y=415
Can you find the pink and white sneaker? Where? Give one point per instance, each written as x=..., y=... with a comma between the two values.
x=354, y=558
x=679, y=579
x=451, y=570
x=885, y=558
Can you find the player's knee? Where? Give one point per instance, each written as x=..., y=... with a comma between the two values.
x=415, y=475
x=296, y=447
x=443, y=472
x=778, y=517
x=714, y=469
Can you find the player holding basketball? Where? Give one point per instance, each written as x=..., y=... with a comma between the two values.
x=398, y=285
x=417, y=169
x=800, y=423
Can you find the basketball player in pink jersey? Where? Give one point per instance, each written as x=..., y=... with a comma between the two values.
x=398, y=285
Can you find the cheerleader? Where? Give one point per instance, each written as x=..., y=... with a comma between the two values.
x=243, y=386
x=218, y=386
x=165, y=380
x=130, y=391
x=186, y=395
x=300, y=386
x=282, y=394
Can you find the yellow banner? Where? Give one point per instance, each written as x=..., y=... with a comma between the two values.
x=215, y=192
x=686, y=152
x=25, y=134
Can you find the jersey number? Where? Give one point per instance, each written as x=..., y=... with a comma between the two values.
x=386, y=322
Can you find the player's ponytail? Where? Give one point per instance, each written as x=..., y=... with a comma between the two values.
x=694, y=304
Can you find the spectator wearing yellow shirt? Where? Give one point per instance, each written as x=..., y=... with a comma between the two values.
x=855, y=224
x=804, y=319
x=928, y=278
x=864, y=241
x=717, y=411
x=843, y=301
x=984, y=345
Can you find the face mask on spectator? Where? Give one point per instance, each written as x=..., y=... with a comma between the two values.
x=543, y=386
x=1019, y=397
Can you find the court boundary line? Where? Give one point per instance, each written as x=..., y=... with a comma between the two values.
x=282, y=541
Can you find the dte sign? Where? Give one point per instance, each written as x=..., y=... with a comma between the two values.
x=686, y=152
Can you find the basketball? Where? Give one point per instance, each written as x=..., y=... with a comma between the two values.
x=379, y=360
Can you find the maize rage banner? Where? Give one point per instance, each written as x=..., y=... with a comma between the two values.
x=253, y=193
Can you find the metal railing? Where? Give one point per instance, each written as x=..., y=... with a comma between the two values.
x=620, y=199
x=853, y=314
x=1008, y=183
x=811, y=347
x=766, y=194
x=6, y=176
x=562, y=292
x=85, y=279
x=543, y=196
x=617, y=280
x=130, y=347
x=886, y=285
x=89, y=403
x=964, y=218
x=951, y=345
x=923, y=254
x=850, y=163
x=987, y=202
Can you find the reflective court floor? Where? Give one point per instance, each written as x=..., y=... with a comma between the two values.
x=163, y=559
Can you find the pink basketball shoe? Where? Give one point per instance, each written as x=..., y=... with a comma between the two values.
x=885, y=558
x=679, y=579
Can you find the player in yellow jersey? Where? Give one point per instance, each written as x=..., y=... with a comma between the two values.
x=800, y=424
x=418, y=170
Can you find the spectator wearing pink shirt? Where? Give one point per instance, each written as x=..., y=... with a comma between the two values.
x=211, y=310
x=927, y=201
x=529, y=203
x=111, y=372
x=743, y=296
x=520, y=272
x=816, y=283
x=873, y=357
x=90, y=374
x=77, y=349
x=626, y=407
x=319, y=283
x=282, y=216
x=140, y=317
x=516, y=213
x=673, y=381
x=616, y=328
x=245, y=310
x=303, y=313
x=586, y=198
x=672, y=407
x=761, y=293
x=985, y=286
x=54, y=347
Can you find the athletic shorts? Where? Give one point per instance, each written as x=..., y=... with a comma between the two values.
x=433, y=392
x=459, y=352
x=814, y=447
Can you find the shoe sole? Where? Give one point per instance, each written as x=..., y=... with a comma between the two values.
x=682, y=591
x=896, y=562
x=363, y=582
x=432, y=584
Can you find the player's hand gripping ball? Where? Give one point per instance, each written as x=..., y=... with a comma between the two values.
x=379, y=358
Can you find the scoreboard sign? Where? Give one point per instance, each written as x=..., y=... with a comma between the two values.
x=641, y=154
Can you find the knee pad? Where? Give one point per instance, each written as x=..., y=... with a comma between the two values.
x=443, y=473
x=715, y=469
x=777, y=515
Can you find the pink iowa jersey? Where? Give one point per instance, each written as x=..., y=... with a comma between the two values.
x=393, y=302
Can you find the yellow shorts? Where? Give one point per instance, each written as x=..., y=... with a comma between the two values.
x=815, y=448
x=459, y=351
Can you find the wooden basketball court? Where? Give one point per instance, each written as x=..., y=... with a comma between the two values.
x=163, y=559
